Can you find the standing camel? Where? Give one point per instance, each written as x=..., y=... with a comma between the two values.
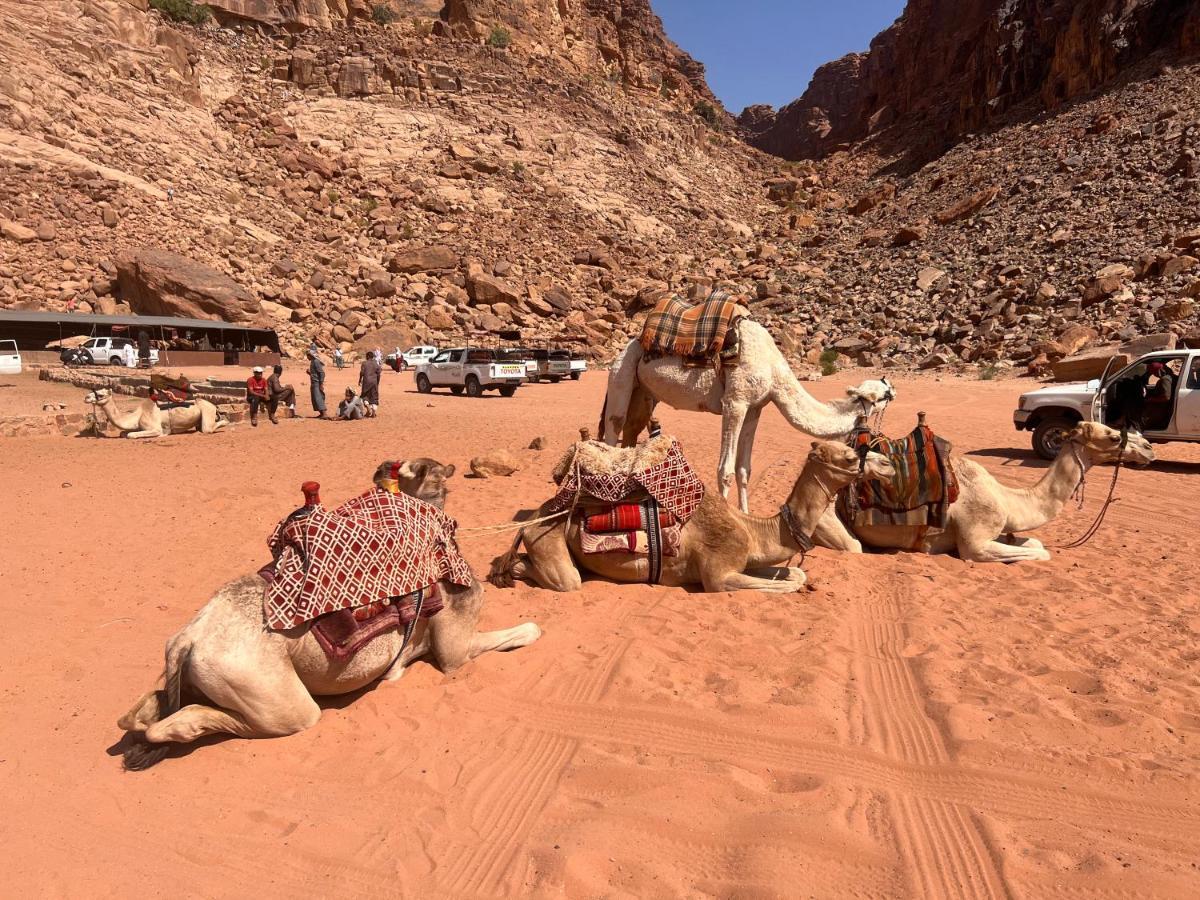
x=244, y=679
x=636, y=382
x=148, y=421
x=719, y=547
x=981, y=524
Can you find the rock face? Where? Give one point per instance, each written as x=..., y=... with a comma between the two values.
x=290, y=14
x=162, y=283
x=949, y=66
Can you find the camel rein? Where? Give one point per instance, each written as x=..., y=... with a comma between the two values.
x=1078, y=494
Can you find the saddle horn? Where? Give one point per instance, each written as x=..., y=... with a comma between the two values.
x=312, y=493
x=920, y=420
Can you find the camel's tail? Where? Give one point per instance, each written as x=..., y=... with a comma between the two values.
x=622, y=381
x=142, y=754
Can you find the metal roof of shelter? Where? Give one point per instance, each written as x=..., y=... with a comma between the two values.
x=21, y=315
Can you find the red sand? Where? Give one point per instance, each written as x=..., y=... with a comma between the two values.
x=915, y=727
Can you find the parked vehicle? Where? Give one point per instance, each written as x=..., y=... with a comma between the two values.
x=524, y=356
x=552, y=365
x=578, y=367
x=470, y=369
x=111, y=351
x=10, y=358
x=1051, y=412
x=410, y=357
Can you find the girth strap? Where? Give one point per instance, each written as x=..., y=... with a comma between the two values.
x=654, y=545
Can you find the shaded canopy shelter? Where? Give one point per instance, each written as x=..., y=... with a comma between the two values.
x=34, y=330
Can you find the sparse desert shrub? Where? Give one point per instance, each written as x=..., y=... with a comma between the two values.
x=829, y=364
x=708, y=113
x=183, y=11
x=518, y=168
x=989, y=373
x=499, y=38
x=383, y=14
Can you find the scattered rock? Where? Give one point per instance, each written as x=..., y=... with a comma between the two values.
x=501, y=463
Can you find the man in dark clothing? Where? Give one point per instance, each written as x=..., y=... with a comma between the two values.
x=143, y=342
x=1159, y=397
x=280, y=393
x=316, y=377
x=368, y=378
x=258, y=394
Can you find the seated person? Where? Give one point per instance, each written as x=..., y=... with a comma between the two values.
x=280, y=392
x=352, y=407
x=259, y=394
x=1159, y=397
x=1194, y=378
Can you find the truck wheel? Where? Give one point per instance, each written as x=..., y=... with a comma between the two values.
x=555, y=379
x=473, y=387
x=456, y=390
x=508, y=390
x=423, y=383
x=1050, y=435
x=114, y=361
x=576, y=375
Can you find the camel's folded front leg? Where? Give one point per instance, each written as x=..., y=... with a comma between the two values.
x=832, y=534
x=994, y=551
x=759, y=580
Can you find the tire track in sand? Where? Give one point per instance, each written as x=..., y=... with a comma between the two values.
x=943, y=846
x=509, y=792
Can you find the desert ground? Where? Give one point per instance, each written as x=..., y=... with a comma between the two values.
x=912, y=727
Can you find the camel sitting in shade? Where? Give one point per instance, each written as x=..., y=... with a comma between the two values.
x=983, y=523
x=148, y=421
x=720, y=548
x=244, y=679
x=636, y=382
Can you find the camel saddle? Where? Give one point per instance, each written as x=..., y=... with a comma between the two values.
x=921, y=492
x=343, y=633
x=171, y=393
x=703, y=335
x=375, y=548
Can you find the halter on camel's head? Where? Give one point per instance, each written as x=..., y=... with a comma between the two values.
x=1104, y=444
x=422, y=478
x=98, y=396
x=873, y=394
x=850, y=464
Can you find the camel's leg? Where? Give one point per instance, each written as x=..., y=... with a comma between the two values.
x=143, y=714
x=622, y=380
x=733, y=417
x=455, y=640
x=745, y=450
x=197, y=721
x=833, y=534
x=641, y=408
x=504, y=639
x=547, y=559
x=143, y=434
x=994, y=551
x=743, y=581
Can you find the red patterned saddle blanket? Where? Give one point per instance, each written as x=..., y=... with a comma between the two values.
x=373, y=548
x=920, y=493
x=622, y=517
x=343, y=633
x=701, y=332
x=170, y=393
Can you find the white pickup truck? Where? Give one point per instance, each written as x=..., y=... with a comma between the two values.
x=470, y=369
x=111, y=351
x=1172, y=413
x=578, y=367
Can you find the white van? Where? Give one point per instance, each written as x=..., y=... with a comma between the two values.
x=10, y=358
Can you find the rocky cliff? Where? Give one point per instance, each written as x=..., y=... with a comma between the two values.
x=947, y=67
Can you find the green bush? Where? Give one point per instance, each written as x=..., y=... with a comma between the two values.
x=708, y=113
x=499, y=38
x=829, y=364
x=383, y=14
x=183, y=11
x=988, y=373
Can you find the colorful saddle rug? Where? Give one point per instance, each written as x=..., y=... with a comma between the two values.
x=343, y=633
x=170, y=393
x=676, y=328
x=638, y=543
x=622, y=517
x=596, y=471
x=373, y=548
x=921, y=492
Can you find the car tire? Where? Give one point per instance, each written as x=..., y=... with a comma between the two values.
x=1050, y=435
x=575, y=376
x=555, y=379
x=508, y=390
x=86, y=359
x=423, y=383
x=474, y=388
x=114, y=361
x=456, y=390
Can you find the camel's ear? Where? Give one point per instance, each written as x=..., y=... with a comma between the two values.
x=448, y=471
x=816, y=444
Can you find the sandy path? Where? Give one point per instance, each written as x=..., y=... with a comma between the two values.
x=914, y=727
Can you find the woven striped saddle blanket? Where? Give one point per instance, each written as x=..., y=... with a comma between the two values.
x=921, y=491
x=697, y=333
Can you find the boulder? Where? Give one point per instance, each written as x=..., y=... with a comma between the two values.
x=424, y=259
x=161, y=283
x=1087, y=364
x=488, y=289
x=498, y=462
x=17, y=232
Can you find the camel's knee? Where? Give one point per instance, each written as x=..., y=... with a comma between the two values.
x=564, y=580
x=143, y=714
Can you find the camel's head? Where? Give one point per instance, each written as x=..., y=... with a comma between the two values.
x=846, y=465
x=876, y=395
x=98, y=397
x=1105, y=445
x=422, y=478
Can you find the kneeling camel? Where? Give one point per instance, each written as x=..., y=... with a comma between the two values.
x=720, y=548
x=241, y=678
x=148, y=421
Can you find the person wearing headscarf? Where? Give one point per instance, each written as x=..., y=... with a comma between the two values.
x=316, y=377
x=351, y=407
x=368, y=378
x=258, y=394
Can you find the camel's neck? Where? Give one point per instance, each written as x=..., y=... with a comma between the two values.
x=771, y=540
x=1030, y=508
x=124, y=421
x=827, y=421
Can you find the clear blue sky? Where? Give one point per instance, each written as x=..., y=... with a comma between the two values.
x=765, y=51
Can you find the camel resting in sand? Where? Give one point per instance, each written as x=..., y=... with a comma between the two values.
x=720, y=548
x=238, y=677
x=148, y=421
x=982, y=524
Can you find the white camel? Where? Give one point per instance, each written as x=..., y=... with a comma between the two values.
x=738, y=394
x=982, y=525
x=148, y=421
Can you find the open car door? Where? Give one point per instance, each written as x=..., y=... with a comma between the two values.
x=1100, y=399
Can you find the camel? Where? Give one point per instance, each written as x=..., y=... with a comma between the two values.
x=982, y=524
x=720, y=548
x=243, y=679
x=148, y=421
x=738, y=394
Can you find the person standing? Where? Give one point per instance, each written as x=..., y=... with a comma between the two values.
x=316, y=378
x=279, y=393
x=129, y=355
x=143, y=340
x=368, y=378
x=339, y=358
x=258, y=394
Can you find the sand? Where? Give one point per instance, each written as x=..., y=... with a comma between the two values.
x=914, y=727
